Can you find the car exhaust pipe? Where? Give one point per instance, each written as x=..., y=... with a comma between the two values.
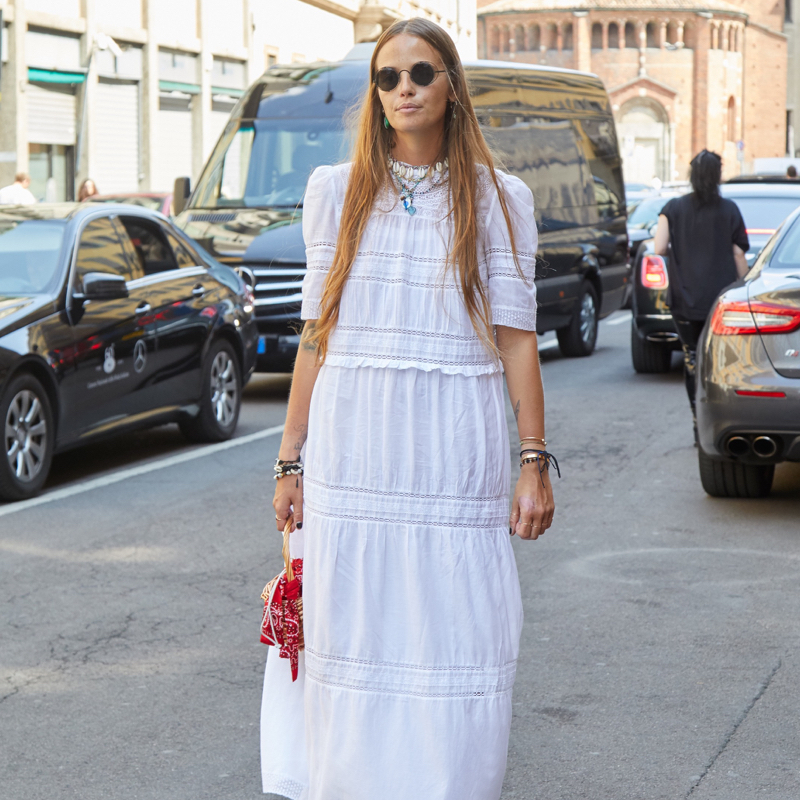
x=765, y=446
x=738, y=446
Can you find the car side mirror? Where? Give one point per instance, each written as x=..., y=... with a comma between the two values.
x=104, y=286
x=180, y=194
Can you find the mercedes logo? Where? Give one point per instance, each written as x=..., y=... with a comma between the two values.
x=139, y=356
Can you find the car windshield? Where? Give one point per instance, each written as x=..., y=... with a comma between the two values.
x=763, y=215
x=29, y=254
x=645, y=215
x=267, y=162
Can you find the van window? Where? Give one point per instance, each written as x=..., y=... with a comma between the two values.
x=547, y=156
x=600, y=145
x=267, y=162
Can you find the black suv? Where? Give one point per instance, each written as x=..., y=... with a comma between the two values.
x=553, y=128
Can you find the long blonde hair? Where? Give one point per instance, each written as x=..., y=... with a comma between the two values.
x=464, y=147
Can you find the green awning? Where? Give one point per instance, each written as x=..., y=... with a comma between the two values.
x=226, y=90
x=54, y=76
x=177, y=86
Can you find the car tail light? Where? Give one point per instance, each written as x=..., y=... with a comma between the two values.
x=741, y=317
x=753, y=393
x=654, y=273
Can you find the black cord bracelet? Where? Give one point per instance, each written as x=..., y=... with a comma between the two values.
x=543, y=460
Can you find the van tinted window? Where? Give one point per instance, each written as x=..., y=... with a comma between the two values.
x=547, y=156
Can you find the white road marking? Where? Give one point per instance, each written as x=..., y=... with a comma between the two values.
x=548, y=345
x=618, y=320
x=133, y=472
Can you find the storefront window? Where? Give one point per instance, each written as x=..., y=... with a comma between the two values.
x=52, y=170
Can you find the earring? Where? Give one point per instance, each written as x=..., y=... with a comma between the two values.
x=454, y=109
x=386, y=122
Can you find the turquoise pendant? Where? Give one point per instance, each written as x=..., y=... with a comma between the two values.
x=411, y=210
x=408, y=207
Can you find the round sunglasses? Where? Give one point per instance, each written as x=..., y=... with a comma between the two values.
x=423, y=73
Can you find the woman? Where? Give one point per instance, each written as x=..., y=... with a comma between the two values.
x=416, y=251
x=708, y=241
x=86, y=190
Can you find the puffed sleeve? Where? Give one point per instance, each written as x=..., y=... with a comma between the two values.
x=512, y=296
x=319, y=234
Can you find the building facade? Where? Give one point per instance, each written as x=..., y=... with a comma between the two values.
x=134, y=93
x=682, y=75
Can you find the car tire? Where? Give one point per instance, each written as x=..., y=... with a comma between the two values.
x=731, y=479
x=580, y=336
x=26, y=418
x=221, y=397
x=649, y=357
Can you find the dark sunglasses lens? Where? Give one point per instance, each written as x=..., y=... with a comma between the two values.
x=387, y=79
x=423, y=73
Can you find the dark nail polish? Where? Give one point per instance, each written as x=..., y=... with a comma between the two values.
x=510, y=531
x=299, y=526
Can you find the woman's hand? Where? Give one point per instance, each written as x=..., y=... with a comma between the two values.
x=288, y=501
x=533, y=507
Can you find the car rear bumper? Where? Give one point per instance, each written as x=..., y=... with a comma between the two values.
x=728, y=365
x=657, y=328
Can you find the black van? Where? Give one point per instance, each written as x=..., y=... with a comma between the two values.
x=551, y=127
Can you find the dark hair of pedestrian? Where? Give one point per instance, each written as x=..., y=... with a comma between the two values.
x=791, y=172
x=705, y=175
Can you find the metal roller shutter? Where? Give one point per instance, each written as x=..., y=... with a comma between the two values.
x=173, y=157
x=116, y=161
x=51, y=114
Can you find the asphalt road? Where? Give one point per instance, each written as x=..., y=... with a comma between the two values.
x=659, y=655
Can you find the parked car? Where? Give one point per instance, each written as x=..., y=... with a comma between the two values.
x=748, y=391
x=764, y=205
x=553, y=128
x=644, y=217
x=111, y=319
x=155, y=201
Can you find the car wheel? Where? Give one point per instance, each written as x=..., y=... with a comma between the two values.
x=28, y=438
x=649, y=357
x=221, y=398
x=580, y=337
x=731, y=479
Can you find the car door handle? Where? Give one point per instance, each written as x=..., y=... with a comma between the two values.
x=199, y=290
x=143, y=308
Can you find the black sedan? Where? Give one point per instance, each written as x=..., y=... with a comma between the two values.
x=111, y=319
x=653, y=335
x=748, y=391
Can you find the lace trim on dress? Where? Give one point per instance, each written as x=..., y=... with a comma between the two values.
x=285, y=787
x=417, y=680
x=354, y=360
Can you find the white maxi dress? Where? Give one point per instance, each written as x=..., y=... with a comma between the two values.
x=411, y=596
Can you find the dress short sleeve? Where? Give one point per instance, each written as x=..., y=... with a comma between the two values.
x=320, y=230
x=512, y=296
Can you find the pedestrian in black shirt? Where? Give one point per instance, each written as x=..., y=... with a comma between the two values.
x=705, y=238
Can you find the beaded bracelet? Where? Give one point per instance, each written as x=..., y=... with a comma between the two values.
x=284, y=468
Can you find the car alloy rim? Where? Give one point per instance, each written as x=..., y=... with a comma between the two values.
x=587, y=318
x=223, y=388
x=25, y=436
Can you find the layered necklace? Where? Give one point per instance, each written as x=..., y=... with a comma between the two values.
x=409, y=178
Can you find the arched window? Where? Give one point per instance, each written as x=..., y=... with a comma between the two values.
x=732, y=39
x=505, y=36
x=552, y=36
x=672, y=33
x=613, y=35
x=534, y=37
x=689, y=36
x=519, y=38
x=630, y=35
x=730, y=133
x=494, y=40
x=597, y=36
x=566, y=41
x=652, y=38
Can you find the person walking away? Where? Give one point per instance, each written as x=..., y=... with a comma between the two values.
x=791, y=171
x=419, y=292
x=86, y=190
x=705, y=238
x=17, y=193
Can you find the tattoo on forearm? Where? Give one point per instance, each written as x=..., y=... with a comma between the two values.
x=302, y=435
x=308, y=329
x=516, y=411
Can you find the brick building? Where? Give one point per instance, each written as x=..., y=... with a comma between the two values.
x=681, y=74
